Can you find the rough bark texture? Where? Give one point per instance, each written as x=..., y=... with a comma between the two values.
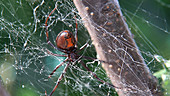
x=114, y=44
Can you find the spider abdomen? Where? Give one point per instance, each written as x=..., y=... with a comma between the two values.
x=65, y=41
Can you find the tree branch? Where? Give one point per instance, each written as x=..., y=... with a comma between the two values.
x=114, y=44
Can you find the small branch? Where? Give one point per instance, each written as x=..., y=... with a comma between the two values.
x=114, y=44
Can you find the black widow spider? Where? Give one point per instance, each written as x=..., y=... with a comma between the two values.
x=67, y=43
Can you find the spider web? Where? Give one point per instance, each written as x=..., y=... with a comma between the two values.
x=25, y=64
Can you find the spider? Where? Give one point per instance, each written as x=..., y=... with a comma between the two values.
x=66, y=42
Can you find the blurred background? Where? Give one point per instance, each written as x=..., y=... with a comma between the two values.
x=25, y=65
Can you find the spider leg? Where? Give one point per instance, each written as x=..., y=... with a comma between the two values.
x=94, y=75
x=91, y=58
x=58, y=66
x=59, y=79
x=59, y=55
x=46, y=26
x=47, y=39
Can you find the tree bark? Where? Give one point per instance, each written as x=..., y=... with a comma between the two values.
x=114, y=44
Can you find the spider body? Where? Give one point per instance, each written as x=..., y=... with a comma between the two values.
x=66, y=42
